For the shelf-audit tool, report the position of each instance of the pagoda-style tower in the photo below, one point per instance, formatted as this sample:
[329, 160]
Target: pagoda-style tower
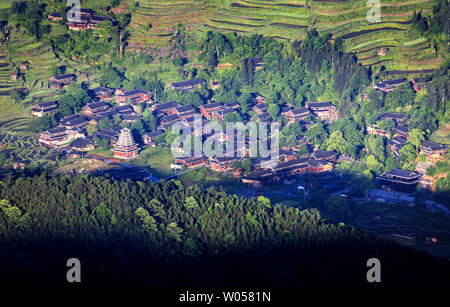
[125, 148]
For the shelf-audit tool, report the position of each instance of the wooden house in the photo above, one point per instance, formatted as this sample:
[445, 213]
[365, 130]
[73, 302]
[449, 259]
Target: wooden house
[134, 96]
[186, 85]
[207, 110]
[42, 108]
[95, 108]
[60, 81]
[222, 164]
[296, 115]
[323, 110]
[151, 137]
[101, 93]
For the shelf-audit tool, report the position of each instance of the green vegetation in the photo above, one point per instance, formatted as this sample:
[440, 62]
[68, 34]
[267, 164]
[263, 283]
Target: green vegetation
[131, 230]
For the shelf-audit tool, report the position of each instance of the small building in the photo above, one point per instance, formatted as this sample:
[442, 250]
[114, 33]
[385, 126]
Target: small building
[101, 93]
[186, 85]
[382, 51]
[374, 130]
[207, 110]
[185, 111]
[296, 115]
[125, 147]
[42, 108]
[402, 130]
[232, 105]
[14, 75]
[396, 143]
[167, 108]
[60, 81]
[222, 164]
[323, 110]
[324, 155]
[190, 162]
[389, 86]
[125, 109]
[130, 118]
[319, 166]
[259, 109]
[54, 17]
[95, 108]
[82, 144]
[55, 136]
[397, 117]
[152, 136]
[24, 65]
[215, 85]
[257, 62]
[257, 98]
[400, 178]
[134, 96]
[74, 122]
[419, 83]
[433, 149]
[168, 120]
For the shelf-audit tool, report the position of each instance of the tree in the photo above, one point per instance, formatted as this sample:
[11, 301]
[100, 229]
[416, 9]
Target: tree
[416, 137]
[317, 132]
[247, 165]
[190, 203]
[336, 142]
[110, 77]
[373, 164]
[245, 101]
[15, 96]
[273, 110]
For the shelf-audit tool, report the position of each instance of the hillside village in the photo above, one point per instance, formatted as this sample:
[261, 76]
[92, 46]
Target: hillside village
[122, 106]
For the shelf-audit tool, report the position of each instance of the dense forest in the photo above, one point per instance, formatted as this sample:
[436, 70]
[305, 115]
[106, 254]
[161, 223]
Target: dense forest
[159, 234]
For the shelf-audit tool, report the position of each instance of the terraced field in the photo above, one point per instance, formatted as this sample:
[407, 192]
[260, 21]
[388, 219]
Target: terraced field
[16, 142]
[6, 84]
[290, 19]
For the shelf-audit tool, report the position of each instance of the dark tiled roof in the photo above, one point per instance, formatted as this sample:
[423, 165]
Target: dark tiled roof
[320, 104]
[81, 143]
[97, 105]
[233, 104]
[56, 130]
[124, 109]
[46, 104]
[135, 92]
[299, 111]
[433, 145]
[189, 83]
[186, 108]
[166, 106]
[393, 115]
[323, 154]
[395, 82]
[211, 105]
[155, 133]
[403, 173]
[402, 128]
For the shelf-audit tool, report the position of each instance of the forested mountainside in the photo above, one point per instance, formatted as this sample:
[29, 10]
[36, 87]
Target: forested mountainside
[148, 234]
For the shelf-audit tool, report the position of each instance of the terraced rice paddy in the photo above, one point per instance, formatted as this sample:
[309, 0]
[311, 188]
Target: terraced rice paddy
[19, 145]
[290, 19]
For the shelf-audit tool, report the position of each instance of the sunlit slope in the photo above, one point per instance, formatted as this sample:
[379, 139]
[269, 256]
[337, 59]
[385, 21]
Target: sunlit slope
[290, 19]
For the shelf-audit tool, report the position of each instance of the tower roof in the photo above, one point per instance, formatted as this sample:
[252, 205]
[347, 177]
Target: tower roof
[125, 139]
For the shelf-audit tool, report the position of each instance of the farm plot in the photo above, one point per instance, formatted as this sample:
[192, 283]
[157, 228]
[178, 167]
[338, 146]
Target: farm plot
[24, 148]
